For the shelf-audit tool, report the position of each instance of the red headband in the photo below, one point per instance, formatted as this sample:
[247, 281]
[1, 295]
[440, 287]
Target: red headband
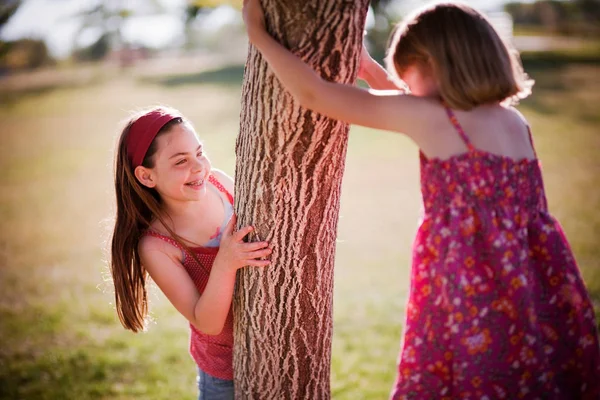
[142, 133]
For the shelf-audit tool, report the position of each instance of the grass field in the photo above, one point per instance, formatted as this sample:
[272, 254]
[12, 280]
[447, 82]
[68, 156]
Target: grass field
[60, 336]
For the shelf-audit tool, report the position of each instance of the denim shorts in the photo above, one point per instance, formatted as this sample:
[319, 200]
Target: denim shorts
[211, 388]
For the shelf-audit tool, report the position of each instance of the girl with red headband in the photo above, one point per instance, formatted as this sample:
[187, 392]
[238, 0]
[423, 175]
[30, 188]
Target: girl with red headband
[175, 224]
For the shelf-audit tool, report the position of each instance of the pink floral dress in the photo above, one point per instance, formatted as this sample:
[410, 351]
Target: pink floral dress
[497, 307]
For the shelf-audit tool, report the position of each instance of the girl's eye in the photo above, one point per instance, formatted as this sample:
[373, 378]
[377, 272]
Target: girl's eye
[180, 162]
[200, 154]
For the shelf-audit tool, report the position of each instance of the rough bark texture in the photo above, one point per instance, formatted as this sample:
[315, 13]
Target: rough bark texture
[288, 178]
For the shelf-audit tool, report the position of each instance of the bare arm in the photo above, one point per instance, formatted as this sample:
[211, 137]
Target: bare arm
[375, 75]
[208, 311]
[388, 110]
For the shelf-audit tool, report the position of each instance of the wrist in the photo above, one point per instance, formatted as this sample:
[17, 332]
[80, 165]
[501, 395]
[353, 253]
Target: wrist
[223, 267]
[255, 31]
[225, 272]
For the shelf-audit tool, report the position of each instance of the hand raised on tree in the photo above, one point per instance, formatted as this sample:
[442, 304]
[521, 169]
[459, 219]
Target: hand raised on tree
[234, 253]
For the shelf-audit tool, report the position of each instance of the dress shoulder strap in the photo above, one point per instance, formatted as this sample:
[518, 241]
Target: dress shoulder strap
[212, 179]
[153, 233]
[171, 241]
[458, 127]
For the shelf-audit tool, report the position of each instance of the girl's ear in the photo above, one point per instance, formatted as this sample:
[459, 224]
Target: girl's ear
[145, 176]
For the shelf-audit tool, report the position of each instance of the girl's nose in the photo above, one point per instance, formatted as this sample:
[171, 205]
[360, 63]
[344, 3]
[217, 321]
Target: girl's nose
[198, 166]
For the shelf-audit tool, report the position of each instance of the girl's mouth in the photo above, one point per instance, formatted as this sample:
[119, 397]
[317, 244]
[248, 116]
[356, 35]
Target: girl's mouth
[195, 184]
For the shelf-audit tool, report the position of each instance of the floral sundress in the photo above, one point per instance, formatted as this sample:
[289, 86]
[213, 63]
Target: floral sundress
[497, 308]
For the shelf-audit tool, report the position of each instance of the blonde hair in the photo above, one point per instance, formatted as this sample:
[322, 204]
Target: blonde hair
[469, 61]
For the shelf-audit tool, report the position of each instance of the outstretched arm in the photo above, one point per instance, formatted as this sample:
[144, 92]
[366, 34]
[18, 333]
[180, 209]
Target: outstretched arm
[388, 110]
[375, 75]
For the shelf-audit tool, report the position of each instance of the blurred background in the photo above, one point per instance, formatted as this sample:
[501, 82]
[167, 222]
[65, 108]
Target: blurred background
[72, 70]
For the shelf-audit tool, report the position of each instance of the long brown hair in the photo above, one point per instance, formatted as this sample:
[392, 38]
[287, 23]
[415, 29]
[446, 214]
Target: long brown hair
[137, 207]
[471, 64]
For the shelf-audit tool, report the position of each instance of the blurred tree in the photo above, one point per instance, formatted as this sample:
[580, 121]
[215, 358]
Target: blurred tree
[289, 166]
[24, 54]
[565, 17]
[551, 14]
[192, 10]
[590, 9]
[195, 8]
[7, 10]
[106, 20]
[94, 52]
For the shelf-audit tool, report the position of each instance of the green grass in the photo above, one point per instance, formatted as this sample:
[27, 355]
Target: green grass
[60, 335]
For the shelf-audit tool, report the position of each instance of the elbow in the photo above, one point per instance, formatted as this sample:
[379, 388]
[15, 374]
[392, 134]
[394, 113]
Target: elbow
[206, 329]
[213, 332]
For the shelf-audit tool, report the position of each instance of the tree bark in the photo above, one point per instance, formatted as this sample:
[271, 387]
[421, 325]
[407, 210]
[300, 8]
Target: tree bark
[288, 179]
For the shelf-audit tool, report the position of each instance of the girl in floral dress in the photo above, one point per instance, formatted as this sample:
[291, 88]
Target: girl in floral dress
[497, 307]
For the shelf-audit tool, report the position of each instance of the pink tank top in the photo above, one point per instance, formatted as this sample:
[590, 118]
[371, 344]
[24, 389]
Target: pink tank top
[213, 354]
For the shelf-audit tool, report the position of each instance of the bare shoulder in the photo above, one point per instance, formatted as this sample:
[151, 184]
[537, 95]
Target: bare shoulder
[150, 246]
[423, 115]
[428, 122]
[225, 179]
[517, 115]
[517, 124]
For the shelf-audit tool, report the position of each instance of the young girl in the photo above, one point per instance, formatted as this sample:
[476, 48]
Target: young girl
[175, 223]
[497, 307]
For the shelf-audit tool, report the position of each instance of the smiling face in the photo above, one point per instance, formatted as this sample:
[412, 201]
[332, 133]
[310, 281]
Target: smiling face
[180, 167]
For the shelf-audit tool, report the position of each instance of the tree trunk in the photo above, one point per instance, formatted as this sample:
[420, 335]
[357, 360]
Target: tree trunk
[288, 179]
